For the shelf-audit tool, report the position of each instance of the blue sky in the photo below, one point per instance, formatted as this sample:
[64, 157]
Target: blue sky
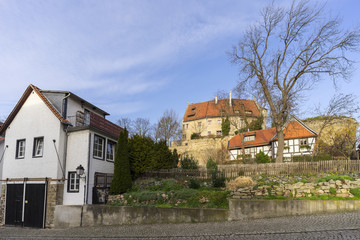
[135, 58]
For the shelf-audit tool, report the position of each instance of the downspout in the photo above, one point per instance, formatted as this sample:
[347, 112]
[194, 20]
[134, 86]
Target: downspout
[88, 171]
[64, 113]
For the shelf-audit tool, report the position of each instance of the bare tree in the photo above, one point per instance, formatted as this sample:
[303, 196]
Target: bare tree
[168, 127]
[127, 123]
[287, 52]
[141, 127]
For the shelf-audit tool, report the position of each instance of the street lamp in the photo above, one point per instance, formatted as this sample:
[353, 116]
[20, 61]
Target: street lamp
[80, 170]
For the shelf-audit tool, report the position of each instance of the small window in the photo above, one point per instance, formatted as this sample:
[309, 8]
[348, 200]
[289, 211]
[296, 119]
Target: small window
[219, 121]
[209, 122]
[187, 126]
[248, 112]
[209, 132]
[218, 133]
[237, 111]
[303, 142]
[20, 148]
[98, 151]
[110, 150]
[38, 147]
[199, 124]
[184, 136]
[73, 182]
[193, 109]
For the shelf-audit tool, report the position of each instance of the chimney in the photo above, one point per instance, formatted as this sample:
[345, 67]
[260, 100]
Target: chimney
[230, 98]
[216, 100]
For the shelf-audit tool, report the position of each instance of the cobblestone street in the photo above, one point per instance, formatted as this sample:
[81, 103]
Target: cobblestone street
[329, 226]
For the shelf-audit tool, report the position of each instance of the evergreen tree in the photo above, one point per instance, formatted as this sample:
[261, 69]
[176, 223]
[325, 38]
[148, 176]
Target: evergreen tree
[225, 126]
[122, 177]
[142, 153]
[163, 157]
[175, 158]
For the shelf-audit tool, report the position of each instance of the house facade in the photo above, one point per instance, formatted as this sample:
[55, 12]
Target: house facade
[48, 136]
[205, 118]
[299, 139]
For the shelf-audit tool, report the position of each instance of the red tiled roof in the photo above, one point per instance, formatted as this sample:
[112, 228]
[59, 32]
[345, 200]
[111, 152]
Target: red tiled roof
[262, 137]
[210, 109]
[2, 138]
[21, 102]
[293, 129]
[104, 125]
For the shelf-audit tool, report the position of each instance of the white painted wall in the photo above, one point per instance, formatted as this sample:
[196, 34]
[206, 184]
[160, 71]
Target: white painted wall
[77, 153]
[97, 165]
[80, 151]
[2, 146]
[34, 119]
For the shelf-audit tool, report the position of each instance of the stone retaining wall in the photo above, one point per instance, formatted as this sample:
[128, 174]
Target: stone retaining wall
[300, 189]
[204, 148]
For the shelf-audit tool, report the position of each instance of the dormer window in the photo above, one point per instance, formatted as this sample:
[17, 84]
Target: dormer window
[193, 109]
[248, 112]
[249, 138]
[237, 111]
[191, 115]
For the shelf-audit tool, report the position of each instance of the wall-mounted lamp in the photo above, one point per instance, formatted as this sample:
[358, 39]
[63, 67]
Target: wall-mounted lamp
[80, 170]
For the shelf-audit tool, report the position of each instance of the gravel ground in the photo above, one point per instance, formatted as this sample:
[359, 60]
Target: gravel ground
[329, 226]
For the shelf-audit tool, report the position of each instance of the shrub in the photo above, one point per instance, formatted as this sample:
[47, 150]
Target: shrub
[239, 182]
[332, 190]
[195, 136]
[185, 193]
[335, 178]
[355, 192]
[194, 183]
[261, 157]
[188, 162]
[218, 179]
[211, 166]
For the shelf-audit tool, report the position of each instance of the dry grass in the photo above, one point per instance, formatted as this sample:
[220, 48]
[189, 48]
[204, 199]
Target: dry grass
[239, 183]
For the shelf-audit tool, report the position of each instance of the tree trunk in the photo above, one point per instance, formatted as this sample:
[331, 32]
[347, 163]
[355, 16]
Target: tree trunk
[280, 149]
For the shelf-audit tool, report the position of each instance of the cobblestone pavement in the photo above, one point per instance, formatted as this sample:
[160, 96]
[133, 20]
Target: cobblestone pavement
[329, 226]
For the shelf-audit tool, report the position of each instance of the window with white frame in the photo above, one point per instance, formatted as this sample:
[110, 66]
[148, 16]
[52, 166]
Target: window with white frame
[249, 138]
[98, 150]
[20, 148]
[209, 122]
[38, 148]
[73, 182]
[110, 150]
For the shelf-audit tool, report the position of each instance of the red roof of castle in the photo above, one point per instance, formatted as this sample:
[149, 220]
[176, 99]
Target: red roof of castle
[211, 109]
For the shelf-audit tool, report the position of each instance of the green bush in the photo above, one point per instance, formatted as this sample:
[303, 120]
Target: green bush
[188, 162]
[355, 192]
[218, 179]
[185, 193]
[261, 157]
[211, 165]
[332, 190]
[195, 136]
[194, 183]
[335, 178]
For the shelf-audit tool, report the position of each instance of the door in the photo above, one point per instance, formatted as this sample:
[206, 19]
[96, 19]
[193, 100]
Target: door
[34, 205]
[14, 204]
[25, 205]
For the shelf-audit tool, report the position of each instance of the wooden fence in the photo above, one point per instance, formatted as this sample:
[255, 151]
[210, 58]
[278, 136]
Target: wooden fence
[269, 169]
[291, 168]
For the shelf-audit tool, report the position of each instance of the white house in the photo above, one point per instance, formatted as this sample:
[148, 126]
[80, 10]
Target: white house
[50, 135]
[299, 139]
[2, 140]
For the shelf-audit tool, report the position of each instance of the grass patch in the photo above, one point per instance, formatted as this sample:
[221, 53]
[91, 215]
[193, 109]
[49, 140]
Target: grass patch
[335, 178]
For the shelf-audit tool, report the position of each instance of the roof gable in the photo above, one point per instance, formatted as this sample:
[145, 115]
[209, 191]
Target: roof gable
[221, 108]
[21, 102]
[295, 128]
